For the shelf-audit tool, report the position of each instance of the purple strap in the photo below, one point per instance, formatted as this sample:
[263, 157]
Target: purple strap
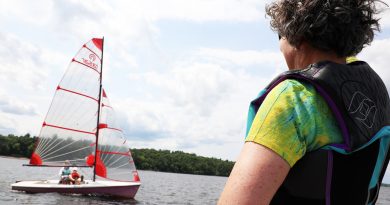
[329, 173]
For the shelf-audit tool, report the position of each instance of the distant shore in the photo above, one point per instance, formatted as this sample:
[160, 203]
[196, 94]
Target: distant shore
[385, 185]
[12, 157]
[22, 147]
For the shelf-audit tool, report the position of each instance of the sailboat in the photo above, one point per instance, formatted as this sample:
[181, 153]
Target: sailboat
[80, 128]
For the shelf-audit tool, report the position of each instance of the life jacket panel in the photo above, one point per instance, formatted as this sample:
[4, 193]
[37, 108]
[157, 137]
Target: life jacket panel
[360, 103]
[66, 172]
[328, 177]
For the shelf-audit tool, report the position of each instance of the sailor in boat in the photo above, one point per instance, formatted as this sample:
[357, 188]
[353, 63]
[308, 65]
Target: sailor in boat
[65, 172]
[75, 177]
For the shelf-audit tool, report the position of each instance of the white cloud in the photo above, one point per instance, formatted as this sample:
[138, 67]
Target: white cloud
[37, 13]
[204, 10]
[203, 101]
[243, 58]
[21, 62]
[385, 15]
[26, 72]
[19, 124]
[7, 125]
[12, 106]
[131, 22]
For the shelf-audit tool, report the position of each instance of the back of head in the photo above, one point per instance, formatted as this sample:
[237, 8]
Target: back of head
[340, 26]
[66, 162]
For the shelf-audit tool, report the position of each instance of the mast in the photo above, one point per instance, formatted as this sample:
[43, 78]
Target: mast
[98, 113]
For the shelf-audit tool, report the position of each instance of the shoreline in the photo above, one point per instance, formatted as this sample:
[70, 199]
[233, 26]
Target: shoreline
[12, 157]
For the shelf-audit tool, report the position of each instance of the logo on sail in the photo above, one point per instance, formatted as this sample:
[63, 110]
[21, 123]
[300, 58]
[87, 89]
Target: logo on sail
[92, 57]
[90, 62]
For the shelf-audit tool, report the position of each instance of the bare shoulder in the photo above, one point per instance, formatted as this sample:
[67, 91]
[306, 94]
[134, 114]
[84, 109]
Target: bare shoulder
[256, 176]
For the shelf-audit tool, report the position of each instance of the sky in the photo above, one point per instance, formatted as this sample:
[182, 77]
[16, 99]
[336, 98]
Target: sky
[179, 73]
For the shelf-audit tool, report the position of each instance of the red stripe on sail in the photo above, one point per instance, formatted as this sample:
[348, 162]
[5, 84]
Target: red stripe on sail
[98, 43]
[70, 129]
[59, 88]
[119, 153]
[102, 126]
[105, 126]
[74, 60]
[111, 128]
[104, 105]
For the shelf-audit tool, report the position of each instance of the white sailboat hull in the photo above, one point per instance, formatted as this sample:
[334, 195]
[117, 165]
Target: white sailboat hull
[109, 188]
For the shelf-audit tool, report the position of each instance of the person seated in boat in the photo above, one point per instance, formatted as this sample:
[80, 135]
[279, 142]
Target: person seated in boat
[65, 173]
[75, 177]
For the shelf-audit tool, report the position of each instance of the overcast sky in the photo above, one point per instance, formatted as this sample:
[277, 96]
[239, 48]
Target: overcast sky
[179, 73]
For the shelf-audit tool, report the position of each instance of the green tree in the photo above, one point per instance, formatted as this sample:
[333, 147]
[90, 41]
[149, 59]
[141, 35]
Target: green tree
[180, 162]
[145, 159]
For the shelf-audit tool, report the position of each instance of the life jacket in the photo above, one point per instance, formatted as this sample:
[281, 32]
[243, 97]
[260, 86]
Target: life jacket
[348, 173]
[65, 172]
[75, 175]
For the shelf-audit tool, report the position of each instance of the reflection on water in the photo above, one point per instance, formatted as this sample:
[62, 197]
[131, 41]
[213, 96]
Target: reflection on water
[156, 188]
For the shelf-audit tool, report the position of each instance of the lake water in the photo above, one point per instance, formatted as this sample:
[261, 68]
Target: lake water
[157, 188]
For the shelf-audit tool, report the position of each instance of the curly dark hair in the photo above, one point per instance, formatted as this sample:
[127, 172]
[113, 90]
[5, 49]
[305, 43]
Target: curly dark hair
[340, 26]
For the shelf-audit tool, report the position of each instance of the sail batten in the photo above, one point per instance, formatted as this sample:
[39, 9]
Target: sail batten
[111, 128]
[70, 129]
[119, 153]
[77, 93]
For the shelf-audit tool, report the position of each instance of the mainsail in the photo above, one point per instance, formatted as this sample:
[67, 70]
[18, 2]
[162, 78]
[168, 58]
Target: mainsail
[71, 131]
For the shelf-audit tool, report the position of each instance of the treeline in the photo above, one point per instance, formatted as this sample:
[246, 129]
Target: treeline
[180, 162]
[16, 146]
[145, 159]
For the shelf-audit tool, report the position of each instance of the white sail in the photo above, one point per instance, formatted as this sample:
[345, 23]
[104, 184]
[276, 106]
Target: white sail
[71, 130]
[115, 156]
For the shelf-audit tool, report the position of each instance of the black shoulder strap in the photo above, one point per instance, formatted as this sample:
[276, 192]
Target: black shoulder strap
[355, 93]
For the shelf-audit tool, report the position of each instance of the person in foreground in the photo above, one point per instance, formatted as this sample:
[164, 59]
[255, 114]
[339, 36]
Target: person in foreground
[320, 132]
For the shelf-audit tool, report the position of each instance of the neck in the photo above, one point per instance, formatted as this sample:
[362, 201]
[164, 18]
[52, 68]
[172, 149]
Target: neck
[310, 55]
